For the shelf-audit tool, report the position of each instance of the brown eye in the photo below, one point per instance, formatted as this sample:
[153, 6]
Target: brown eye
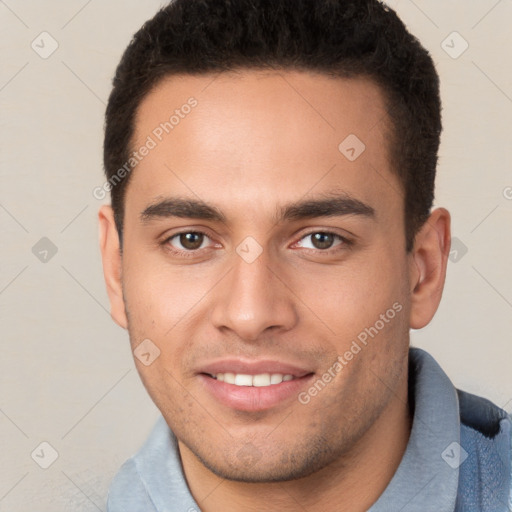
[189, 241]
[321, 240]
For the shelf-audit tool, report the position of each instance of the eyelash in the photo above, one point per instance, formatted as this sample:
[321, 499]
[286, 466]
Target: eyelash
[345, 243]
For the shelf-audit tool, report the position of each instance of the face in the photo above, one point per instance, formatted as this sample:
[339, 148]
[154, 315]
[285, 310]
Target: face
[266, 265]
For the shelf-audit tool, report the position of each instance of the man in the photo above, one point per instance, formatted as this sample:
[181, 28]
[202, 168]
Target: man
[269, 245]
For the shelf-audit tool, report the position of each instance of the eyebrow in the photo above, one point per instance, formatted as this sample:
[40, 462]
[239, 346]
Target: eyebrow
[183, 208]
[334, 206]
[325, 206]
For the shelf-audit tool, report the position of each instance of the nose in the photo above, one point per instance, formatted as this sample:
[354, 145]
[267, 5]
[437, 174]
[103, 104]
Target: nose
[253, 298]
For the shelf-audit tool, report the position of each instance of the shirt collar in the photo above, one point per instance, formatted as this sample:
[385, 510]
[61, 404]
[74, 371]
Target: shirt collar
[429, 470]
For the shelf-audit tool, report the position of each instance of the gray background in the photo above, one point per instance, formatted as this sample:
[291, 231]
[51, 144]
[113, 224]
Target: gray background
[66, 372]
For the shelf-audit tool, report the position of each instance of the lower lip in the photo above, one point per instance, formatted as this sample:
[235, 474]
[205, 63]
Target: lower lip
[252, 398]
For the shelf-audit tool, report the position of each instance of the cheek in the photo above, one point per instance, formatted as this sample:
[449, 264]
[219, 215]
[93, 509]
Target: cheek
[158, 295]
[350, 297]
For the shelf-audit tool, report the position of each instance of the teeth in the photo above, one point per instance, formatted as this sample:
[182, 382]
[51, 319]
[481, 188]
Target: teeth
[275, 378]
[229, 378]
[260, 380]
[243, 380]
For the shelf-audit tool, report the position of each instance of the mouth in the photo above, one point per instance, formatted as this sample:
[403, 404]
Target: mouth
[260, 380]
[254, 385]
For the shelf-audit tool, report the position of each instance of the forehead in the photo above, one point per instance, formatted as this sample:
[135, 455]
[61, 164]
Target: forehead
[254, 137]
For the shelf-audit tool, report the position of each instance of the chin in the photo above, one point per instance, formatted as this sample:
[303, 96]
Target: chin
[249, 465]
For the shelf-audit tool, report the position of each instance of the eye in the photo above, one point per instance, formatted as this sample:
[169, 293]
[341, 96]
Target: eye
[188, 241]
[322, 240]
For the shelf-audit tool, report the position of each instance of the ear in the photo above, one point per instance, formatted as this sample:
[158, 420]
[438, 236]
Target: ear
[429, 259]
[111, 257]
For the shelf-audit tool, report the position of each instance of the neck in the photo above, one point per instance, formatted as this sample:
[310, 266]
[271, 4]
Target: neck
[353, 483]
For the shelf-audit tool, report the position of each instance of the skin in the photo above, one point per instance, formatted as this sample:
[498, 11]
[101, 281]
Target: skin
[255, 142]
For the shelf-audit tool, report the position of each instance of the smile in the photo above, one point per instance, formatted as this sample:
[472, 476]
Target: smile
[260, 380]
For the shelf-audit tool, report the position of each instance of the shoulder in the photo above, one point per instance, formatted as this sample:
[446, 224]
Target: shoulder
[481, 415]
[486, 459]
[127, 491]
[152, 480]
[130, 490]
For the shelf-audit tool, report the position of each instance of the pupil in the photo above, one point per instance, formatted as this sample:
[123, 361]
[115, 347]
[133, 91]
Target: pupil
[322, 240]
[191, 240]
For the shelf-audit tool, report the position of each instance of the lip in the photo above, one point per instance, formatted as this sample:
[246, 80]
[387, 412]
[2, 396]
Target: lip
[251, 398]
[253, 367]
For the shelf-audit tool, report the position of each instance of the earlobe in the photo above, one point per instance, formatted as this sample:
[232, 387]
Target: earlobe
[112, 264]
[428, 267]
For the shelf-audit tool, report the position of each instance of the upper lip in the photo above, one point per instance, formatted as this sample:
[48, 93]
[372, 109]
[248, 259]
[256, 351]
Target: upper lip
[253, 367]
